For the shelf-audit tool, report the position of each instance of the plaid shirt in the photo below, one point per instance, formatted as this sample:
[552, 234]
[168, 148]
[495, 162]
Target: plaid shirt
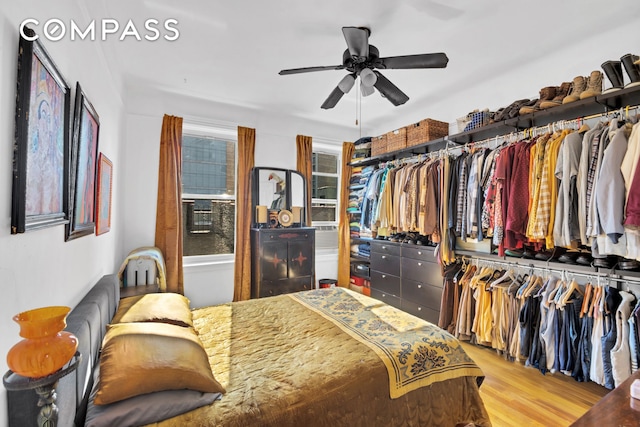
[462, 186]
[548, 191]
[597, 148]
[536, 181]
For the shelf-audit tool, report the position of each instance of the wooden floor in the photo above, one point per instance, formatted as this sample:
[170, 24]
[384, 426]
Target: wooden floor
[515, 395]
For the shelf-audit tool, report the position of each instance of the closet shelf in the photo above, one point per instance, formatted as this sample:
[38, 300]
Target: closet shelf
[360, 258]
[584, 107]
[524, 262]
[361, 240]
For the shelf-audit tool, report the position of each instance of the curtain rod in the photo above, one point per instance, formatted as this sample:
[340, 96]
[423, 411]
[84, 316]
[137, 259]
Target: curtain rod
[549, 268]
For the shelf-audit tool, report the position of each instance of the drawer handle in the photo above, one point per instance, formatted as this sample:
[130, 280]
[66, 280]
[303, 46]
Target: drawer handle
[419, 286]
[384, 257]
[384, 247]
[384, 295]
[419, 264]
[419, 252]
[384, 276]
[419, 308]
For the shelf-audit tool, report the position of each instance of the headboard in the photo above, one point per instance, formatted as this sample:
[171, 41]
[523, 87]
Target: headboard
[87, 321]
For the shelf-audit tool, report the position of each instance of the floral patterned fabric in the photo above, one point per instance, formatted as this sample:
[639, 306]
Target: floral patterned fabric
[415, 352]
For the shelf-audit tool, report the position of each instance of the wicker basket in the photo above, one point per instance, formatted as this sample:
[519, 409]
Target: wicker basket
[378, 145]
[426, 130]
[397, 139]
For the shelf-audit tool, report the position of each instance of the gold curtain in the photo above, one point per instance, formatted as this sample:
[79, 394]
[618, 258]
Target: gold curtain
[344, 234]
[169, 206]
[304, 166]
[246, 161]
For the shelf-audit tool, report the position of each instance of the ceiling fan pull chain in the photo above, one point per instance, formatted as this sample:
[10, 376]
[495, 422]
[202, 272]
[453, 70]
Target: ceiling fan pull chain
[357, 102]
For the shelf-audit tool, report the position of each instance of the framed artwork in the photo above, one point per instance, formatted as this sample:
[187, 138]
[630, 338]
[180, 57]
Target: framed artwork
[41, 145]
[103, 199]
[84, 162]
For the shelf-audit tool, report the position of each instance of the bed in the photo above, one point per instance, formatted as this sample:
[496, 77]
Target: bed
[325, 357]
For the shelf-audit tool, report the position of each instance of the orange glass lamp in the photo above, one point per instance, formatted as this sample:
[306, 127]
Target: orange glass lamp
[46, 347]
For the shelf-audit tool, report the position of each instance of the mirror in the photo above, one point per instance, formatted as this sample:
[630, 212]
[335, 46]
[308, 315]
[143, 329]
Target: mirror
[272, 188]
[277, 189]
[297, 189]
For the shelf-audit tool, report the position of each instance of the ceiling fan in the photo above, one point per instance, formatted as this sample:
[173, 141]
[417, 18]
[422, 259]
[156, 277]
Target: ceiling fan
[362, 60]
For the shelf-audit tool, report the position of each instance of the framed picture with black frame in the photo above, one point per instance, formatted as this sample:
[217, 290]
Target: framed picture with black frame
[41, 145]
[84, 162]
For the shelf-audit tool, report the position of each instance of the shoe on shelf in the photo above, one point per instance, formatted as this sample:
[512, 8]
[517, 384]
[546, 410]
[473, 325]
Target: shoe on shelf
[510, 111]
[578, 86]
[569, 257]
[584, 259]
[546, 94]
[594, 85]
[528, 253]
[561, 93]
[410, 238]
[613, 71]
[602, 263]
[631, 65]
[544, 255]
[628, 264]
[514, 253]
[396, 237]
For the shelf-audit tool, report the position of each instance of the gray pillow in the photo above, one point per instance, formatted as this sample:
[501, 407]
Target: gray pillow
[145, 408]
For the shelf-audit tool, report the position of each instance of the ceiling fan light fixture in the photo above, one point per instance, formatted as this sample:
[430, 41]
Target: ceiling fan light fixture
[366, 90]
[347, 83]
[368, 77]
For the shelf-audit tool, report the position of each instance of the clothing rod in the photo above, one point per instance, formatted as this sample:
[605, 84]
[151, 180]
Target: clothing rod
[598, 275]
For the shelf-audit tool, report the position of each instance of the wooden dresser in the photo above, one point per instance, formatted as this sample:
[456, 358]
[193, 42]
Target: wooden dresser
[615, 409]
[282, 260]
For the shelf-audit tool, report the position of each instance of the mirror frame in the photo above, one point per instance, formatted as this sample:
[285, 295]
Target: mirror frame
[287, 173]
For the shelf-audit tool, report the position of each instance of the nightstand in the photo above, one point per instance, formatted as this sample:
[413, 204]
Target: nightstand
[45, 388]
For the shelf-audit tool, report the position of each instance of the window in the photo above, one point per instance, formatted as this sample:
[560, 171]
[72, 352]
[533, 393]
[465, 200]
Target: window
[325, 185]
[208, 190]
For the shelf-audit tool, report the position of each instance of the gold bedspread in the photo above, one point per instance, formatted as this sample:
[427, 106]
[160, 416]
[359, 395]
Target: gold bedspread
[415, 352]
[283, 364]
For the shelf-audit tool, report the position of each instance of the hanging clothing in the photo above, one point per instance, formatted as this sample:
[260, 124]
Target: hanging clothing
[566, 231]
[621, 353]
[610, 186]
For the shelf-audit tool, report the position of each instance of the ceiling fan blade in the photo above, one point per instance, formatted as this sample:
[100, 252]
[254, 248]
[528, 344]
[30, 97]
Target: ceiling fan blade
[389, 90]
[333, 99]
[358, 42]
[427, 60]
[310, 69]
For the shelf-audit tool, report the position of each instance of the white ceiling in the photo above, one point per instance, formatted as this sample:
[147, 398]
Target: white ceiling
[499, 50]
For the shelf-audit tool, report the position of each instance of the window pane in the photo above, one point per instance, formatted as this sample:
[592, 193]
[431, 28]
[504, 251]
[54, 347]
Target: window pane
[325, 187]
[320, 212]
[325, 163]
[208, 168]
[208, 226]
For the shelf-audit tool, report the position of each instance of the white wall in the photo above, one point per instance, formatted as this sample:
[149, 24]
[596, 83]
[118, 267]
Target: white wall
[39, 268]
[204, 283]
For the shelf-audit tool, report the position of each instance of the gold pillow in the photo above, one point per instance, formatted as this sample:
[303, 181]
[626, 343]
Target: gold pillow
[139, 358]
[161, 307]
